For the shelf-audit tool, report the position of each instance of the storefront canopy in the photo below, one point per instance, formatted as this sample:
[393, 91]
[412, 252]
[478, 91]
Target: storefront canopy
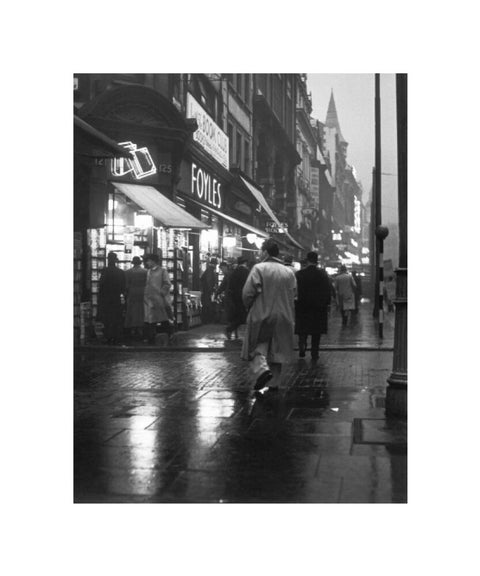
[233, 220]
[102, 139]
[264, 204]
[159, 206]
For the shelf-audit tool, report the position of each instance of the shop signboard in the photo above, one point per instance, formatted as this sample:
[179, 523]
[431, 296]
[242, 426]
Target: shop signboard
[273, 228]
[205, 187]
[315, 185]
[209, 135]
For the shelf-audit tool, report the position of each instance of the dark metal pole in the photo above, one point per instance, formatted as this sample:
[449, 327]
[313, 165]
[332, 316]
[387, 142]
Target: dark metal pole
[377, 186]
[372, 244]
[396, 401]
[381, 233]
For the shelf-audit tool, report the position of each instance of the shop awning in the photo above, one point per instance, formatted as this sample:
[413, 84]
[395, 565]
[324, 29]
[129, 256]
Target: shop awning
[101, 138]
[159, 206]
[264, 204]
[233, 220]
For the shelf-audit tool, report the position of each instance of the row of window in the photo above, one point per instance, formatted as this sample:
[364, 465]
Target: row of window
[239, 149]
[241, 83]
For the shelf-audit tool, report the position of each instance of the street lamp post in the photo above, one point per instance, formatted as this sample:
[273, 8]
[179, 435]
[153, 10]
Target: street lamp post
[381, 232]
[396, 401]
[377, 187]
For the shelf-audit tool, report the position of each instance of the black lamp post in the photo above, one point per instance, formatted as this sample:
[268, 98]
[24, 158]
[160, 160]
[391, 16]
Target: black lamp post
[396, 401]
[381, 232]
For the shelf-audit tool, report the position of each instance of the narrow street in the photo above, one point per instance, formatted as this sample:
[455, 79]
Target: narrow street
[184, 426]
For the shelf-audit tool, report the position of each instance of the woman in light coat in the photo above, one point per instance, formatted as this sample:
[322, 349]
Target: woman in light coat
[156, 298]
[268, 295]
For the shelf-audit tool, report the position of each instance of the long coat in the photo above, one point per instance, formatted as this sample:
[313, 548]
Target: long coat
[314, 291]
[136, 278]
[237, 312]
[269, 295]
[110, 309]
[156, 295]
[345, 287]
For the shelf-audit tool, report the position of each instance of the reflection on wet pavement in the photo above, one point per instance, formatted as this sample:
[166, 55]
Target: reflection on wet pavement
[184, 427]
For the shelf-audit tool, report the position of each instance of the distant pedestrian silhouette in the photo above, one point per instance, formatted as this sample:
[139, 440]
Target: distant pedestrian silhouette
[345, 288]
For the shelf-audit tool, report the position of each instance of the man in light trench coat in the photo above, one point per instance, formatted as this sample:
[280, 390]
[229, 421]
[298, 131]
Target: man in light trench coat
[156, 298]
[269, 295]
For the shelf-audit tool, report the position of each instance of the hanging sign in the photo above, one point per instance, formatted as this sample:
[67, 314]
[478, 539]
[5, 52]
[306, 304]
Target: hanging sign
[210, 136]
[139, 167]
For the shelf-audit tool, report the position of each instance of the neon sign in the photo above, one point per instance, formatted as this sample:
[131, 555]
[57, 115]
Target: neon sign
[140, 166]
[206, 187]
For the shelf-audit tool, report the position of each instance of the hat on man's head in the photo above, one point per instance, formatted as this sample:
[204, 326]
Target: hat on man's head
[112, 257]
[312, 257]
[213, 261]
[136, 261]
[288, 258]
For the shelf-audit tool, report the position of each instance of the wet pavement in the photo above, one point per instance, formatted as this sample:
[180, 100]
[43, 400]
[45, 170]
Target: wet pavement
[179, 426]
[361, 333]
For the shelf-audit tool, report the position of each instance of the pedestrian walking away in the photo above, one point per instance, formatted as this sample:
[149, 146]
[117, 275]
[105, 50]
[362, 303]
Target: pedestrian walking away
[358, 290]
[208, 281]
[222, 302]
[135, 281]
[157, 308]
[288, 260]
[345, 288]
[236, 312]
[311, 306]
[110, 307]
[269, 295]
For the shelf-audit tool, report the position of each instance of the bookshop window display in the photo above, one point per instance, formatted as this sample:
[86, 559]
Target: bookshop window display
[131, 231]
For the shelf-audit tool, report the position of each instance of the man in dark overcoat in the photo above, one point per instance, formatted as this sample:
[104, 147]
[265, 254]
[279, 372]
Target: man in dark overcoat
[311, 311]
[110, 307]
[237, 311]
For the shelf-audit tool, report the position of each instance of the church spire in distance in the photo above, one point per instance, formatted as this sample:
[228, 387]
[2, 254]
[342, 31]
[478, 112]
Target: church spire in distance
[332, 118]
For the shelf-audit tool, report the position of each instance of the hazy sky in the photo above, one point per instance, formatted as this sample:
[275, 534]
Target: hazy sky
[355, 102]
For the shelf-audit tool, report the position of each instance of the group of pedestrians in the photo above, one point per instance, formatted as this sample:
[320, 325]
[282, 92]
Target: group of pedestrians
[135, 300]
[282, 303]
[275, 302]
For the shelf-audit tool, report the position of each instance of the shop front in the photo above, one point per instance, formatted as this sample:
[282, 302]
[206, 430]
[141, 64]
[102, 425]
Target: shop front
[207, 191]
[126, 204]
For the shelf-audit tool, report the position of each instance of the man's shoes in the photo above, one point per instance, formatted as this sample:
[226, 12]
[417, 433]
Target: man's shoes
[262, 380]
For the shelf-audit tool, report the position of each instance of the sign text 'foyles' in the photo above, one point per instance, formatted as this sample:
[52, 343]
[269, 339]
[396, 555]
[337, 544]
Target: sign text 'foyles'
[205, 187]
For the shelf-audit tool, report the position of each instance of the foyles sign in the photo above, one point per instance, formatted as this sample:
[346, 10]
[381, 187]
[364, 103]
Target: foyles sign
[205, 187]
[210, 137]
